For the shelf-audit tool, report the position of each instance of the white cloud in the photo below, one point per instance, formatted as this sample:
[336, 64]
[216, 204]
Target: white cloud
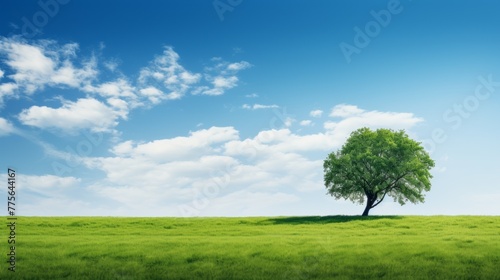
[166, 71]
[329, 125]
[189, 78]
[306, 123]
[118, 88]
[29, 62]
[316, 113]
[123, 148]
[69, 50]
[47, 182]
[334, 135]
[214, 172]
[253, 95]
[43, 187]
[288, 121]
[153, 94]
[353, 118]
[7, 89]
[68, 75]
[219, 85]
[44, 63]
[5, 127]
[175, 169]
[111, 65]
[344, 110]
[237, 66]
[225, 83]
[222, 77]
[119, 106]
[36, 64]
[283, 141]
[177, 148]
[259, 106]
[49, 195]
[85, 113]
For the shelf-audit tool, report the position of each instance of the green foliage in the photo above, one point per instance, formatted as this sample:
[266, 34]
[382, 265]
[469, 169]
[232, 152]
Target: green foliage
[373, 164]
[257, 248]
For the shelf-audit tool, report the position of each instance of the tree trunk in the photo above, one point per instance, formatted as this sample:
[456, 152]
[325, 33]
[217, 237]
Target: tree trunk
[369, 204]
[367, 209]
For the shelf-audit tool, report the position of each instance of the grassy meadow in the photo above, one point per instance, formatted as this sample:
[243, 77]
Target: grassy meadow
[334, 247]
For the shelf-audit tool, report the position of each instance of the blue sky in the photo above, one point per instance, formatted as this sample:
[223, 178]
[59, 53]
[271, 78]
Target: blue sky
[228, 108]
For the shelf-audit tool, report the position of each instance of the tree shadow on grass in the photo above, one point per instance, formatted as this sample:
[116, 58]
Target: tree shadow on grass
[325, 219]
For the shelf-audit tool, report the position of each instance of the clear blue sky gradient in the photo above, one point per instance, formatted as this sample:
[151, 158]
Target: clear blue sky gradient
[432, 68]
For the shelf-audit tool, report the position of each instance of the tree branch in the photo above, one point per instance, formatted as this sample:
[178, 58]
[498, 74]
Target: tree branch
[389, 188]
[375, 204]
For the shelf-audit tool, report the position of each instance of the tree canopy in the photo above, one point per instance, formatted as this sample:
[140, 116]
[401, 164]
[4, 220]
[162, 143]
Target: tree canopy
[374, 164]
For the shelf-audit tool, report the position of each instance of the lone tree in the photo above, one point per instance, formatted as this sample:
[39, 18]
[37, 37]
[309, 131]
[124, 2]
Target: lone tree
[374, 164]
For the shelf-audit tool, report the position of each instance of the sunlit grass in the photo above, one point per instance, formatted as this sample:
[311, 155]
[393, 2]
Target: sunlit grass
[337, 247]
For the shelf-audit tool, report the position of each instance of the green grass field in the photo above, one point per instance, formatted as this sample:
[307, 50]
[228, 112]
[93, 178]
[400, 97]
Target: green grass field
[335, 247]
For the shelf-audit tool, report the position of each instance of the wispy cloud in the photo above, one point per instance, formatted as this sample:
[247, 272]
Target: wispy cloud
[316, 113]
[5, 127]
[6, 90]
[221, 77]
[306, 123]
[237, 66]
[45, 63]
[111, 65]
[165, 71]
[259, 106]
[99, 105]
